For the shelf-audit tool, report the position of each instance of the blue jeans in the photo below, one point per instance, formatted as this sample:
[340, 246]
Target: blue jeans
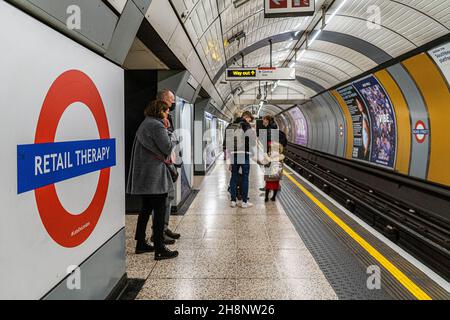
[234, 180]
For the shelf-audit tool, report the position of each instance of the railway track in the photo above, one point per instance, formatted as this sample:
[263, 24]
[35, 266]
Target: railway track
[423, 232]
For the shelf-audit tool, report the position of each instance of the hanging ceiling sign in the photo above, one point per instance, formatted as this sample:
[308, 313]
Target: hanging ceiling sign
[288, 8]
[260, 74]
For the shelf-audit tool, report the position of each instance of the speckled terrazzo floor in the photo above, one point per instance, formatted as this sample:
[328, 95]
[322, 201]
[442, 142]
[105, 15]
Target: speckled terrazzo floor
[228, 253]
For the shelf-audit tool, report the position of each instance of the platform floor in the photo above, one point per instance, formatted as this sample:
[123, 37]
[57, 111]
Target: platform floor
[228, 253]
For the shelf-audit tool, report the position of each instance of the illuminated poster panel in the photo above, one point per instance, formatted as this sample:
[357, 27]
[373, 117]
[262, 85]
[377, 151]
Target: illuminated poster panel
[300, 133]
[441, 57]
[374, 125]
[186, 145]
[383, 124]
[361, 122]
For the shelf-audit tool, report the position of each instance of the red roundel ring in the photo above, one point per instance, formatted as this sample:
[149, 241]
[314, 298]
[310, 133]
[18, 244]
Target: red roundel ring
[64, 228]
[420, 125]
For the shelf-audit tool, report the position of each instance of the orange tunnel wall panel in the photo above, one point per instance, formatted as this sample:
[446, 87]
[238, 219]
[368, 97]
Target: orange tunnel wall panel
[403, 121]
[437, 98]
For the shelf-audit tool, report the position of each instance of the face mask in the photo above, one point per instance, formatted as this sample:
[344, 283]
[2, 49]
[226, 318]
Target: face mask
[172, 107]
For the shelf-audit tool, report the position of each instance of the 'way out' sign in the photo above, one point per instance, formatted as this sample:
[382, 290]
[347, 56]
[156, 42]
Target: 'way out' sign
[260, 74]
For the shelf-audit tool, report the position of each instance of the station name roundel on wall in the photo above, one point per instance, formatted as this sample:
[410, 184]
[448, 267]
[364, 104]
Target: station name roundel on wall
[45, 162]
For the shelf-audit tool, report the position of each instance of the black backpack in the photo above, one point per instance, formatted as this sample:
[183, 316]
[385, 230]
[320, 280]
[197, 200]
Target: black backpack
[237, 135]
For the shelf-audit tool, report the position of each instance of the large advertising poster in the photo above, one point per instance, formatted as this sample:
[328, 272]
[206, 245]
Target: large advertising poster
[383, 124]
[374, 125]
[361, 123]
[62, 158]
[300, 133]
[441, 56]
[186, 145]
[211, 139]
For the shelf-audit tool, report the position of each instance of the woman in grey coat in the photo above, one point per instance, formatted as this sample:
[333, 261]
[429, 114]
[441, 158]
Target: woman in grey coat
[150, 178]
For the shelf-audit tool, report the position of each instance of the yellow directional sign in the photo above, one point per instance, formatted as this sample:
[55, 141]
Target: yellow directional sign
[241, 73]
[260, 74]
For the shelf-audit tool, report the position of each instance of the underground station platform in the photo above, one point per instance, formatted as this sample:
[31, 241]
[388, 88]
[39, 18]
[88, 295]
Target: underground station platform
[225, 158]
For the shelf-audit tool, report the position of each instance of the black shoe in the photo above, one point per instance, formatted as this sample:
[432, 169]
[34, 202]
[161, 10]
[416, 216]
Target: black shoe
[144, 247]
[262, 189]
[167, 240]
[172, 234]
[165, 254]
[273, 199]
[266, 200]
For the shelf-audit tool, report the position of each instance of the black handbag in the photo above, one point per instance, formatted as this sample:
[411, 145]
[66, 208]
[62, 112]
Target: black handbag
[173, 171]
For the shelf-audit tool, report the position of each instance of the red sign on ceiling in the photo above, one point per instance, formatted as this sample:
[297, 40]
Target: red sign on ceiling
[278, 4]
[300, 3]
[288, 8]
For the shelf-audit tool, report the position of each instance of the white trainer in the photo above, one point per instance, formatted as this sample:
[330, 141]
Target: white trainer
[246, 205]
[233, 204]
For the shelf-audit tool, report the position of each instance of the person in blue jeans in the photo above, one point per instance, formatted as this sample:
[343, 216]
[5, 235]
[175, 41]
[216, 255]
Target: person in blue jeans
[239, 140]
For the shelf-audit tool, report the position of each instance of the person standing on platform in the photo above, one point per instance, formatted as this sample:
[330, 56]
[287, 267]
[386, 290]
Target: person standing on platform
[266, 134]
[273, 170]
[168, 98]
[151, 178]
[240, 140]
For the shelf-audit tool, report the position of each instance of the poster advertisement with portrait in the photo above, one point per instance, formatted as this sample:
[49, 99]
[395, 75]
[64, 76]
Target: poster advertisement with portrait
[382, 119]
[362, 136]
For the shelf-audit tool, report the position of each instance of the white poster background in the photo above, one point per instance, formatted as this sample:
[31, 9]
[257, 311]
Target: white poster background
[32, 57]
[441, 56]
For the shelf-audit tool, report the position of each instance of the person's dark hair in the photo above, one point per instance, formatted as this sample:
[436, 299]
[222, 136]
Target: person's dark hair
[155, 109]
[247, 114]
[268, 118]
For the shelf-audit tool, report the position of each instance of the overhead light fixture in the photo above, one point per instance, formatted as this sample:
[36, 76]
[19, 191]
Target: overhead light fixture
[239, 3]
[314, 38]
[238, 36]
[336, 11]
[301, 54]
[261, 105]
[275, 86]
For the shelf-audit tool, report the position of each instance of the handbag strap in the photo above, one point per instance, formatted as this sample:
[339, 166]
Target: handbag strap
[157, 157]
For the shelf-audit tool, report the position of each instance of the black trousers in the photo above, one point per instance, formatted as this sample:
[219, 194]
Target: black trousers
[158, 205]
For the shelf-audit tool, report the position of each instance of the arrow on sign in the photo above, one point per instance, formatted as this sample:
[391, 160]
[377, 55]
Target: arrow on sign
[253, 72]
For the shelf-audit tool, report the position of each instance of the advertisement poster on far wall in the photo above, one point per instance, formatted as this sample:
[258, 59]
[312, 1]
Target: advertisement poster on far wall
[382, 118]
[374, 125]
[361, 122]
[300, 127]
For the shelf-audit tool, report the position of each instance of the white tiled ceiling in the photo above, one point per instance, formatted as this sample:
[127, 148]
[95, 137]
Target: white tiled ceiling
[405, 25]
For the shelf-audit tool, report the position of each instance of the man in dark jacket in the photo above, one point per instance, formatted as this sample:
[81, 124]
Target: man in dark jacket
[240, 140]
[168, 98]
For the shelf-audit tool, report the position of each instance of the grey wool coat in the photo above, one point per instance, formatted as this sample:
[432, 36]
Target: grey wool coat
[147, 174]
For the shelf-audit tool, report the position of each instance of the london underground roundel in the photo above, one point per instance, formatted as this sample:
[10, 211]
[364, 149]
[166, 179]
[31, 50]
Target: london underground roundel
[420, 131]
[46, 162]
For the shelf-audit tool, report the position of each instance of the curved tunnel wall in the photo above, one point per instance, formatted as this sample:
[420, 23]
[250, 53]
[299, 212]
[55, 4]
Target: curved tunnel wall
[419, 93]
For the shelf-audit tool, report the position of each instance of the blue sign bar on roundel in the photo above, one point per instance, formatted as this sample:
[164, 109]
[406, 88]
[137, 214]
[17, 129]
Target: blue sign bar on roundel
[43, 164]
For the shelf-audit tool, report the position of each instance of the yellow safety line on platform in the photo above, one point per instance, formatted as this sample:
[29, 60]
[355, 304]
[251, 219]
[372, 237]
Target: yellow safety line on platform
[400, 276]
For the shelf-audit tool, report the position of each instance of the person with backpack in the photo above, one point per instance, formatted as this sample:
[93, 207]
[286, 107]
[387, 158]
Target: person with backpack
[240, 140]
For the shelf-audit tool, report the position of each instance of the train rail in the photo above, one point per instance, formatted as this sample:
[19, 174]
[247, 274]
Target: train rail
[411, 213]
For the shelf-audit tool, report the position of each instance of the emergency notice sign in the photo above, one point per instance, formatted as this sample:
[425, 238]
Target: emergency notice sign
[288, 8]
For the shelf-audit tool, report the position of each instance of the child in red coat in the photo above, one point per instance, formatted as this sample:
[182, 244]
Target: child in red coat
[273, 170]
